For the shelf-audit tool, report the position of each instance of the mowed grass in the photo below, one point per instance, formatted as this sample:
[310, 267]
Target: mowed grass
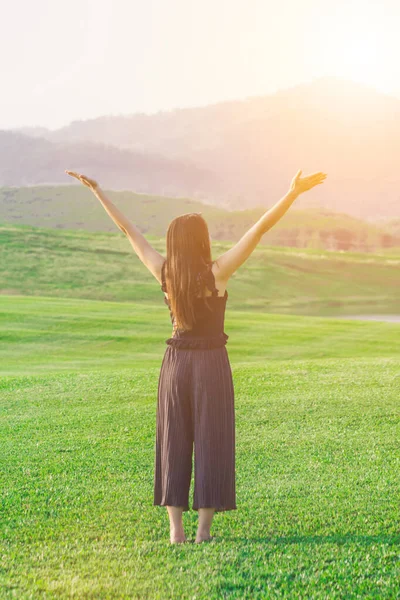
[317, 457]
[42, 335]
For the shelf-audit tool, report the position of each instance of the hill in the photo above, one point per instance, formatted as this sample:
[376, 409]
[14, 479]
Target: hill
[74, 207]
[103, 266]
[26, 160]
[254, 147]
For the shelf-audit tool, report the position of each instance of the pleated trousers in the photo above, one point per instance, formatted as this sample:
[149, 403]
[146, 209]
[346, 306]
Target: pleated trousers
[195, 411]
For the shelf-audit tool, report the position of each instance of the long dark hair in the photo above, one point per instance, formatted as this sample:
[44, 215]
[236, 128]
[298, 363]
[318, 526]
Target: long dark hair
[188, 256]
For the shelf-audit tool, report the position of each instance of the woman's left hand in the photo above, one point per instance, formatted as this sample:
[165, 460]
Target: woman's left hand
[300, 185]
[90, 183]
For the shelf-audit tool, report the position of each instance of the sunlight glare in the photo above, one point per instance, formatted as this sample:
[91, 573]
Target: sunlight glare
[352, 42]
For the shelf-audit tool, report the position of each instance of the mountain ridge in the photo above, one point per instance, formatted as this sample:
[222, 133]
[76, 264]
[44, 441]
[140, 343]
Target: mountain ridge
[244, 153]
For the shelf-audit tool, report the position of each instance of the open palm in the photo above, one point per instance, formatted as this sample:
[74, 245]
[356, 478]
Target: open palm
[90, 183]
[303, 184]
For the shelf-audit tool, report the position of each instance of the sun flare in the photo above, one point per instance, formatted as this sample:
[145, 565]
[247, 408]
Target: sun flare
[355, 42]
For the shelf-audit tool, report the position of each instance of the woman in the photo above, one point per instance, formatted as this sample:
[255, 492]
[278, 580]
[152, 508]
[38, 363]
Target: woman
[195, 405]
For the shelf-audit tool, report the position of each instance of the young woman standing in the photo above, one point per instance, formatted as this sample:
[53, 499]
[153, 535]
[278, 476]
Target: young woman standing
[195, 407]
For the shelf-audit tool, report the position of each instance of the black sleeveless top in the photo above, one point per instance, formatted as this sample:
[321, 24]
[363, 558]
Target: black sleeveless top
[208, 330]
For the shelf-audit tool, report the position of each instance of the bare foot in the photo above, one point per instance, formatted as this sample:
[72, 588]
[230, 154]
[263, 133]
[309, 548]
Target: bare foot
[203, 537]
[178, 540]
[177, 537]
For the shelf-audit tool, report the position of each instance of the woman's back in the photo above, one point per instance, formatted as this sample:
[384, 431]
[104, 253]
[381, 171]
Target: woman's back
[208, 329]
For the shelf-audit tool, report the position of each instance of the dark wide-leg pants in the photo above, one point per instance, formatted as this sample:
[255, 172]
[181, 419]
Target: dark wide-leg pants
[195, 410]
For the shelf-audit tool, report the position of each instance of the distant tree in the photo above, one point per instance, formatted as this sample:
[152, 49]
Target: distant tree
[387, 240]
[314, 241]
[330, 242]
[344, 238]
[302, 238]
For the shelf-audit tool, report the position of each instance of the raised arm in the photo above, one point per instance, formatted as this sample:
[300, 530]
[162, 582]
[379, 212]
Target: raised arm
[149, 256]
[233, 258]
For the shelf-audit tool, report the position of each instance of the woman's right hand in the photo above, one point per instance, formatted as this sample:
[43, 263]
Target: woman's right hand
[303, 184]
[90, 183]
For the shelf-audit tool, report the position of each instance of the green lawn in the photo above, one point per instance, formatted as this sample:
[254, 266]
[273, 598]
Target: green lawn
[317, 453]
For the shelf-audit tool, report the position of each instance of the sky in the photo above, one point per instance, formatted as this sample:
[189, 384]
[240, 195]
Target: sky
[66, 61]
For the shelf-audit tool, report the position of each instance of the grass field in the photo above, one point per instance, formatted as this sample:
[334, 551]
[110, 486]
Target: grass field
[317, 440]
[103, 266]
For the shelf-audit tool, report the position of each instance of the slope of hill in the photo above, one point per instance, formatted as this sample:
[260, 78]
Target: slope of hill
[255, 146]
[26, 160]
[74, 207]
[103, 266]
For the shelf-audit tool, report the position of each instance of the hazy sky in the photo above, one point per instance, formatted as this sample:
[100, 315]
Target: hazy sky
[80, 59]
